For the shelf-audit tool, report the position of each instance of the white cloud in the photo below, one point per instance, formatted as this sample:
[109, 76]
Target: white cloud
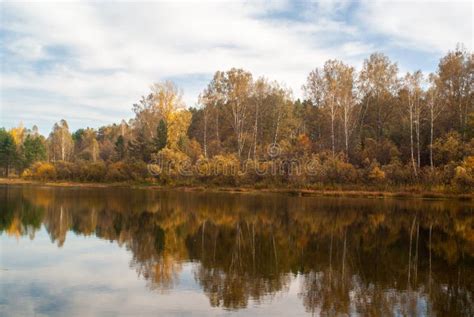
[424, 25]
[99, 58]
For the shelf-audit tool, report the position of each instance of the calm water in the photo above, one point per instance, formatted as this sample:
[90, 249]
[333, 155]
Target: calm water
[108, 252]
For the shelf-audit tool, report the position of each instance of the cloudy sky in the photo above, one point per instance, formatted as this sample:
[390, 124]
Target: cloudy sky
[89, 62]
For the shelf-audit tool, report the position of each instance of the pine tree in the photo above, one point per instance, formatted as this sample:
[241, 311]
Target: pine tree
[161, 138]
[33, 150]
[140, 148]
[8, 154]
[120, 148]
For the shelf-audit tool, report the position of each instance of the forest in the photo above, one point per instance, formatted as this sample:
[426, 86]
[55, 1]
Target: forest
[367, 128]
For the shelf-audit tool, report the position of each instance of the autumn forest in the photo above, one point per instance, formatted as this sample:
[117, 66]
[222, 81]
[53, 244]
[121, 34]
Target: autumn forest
[374, 127]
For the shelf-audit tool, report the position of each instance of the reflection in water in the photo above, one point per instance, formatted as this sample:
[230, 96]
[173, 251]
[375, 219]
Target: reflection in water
[351, 256]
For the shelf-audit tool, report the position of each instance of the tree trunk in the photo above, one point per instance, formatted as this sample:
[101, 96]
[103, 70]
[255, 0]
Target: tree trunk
[410, 107]
[255, 133]
[346, 130]
[417, 130]
[333, 113]
[205, 133]
[217, 128]
[431, 135]
[332, 134]
[63, 154]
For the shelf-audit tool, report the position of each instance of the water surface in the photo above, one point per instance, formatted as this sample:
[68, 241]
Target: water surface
[139, 252]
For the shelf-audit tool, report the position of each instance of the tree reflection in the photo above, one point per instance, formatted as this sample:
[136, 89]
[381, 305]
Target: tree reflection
[351, 256]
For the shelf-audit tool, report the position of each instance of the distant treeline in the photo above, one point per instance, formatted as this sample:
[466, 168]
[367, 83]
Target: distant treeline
[373, 126]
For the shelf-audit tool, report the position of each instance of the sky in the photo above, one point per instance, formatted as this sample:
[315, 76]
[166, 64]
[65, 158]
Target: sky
[89, 62]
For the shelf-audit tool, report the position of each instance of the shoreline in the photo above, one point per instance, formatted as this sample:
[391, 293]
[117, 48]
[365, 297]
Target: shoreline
[302, 192]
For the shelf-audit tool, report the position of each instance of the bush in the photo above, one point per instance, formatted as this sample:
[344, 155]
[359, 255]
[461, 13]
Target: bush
[448, 148]
[43, 171]
[137, 170]
[382, 151]
[326, 168]
[117, 172]
[375, 173]
[336, 170]
[170, 164]
[464, 175]
[397, 173]
[224, 169]
[254, 172]
[66, 170]
[93, 172]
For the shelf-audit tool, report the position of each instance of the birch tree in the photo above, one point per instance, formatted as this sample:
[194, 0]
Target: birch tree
[331, 89]
[435, 108]
[378, 84]
[61, 143]
[412, 83]
[346, 101]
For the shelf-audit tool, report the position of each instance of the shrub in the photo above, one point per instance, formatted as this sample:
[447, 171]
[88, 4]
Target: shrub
[464, 175]
[225, 169]
[336, 170]
[66, 170]
[170, 164]
[93, 172]
[137, 170]
[254, 171]
[117, 172]
[43, 171]
[382, 151]
[375, 173]
[397, 173]
[448, 148]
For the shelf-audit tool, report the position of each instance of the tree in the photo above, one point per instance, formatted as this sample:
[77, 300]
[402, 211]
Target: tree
[177, 127]
[435, 107]
[8, 153]
[454, 82]
[412, 84]
[61, 142]
[331, 89]
[89, 147]
[378, 84]
[120, 148]
[140, 147]
[33, 150]
[18, 134]
[161, 138]
[232, 90]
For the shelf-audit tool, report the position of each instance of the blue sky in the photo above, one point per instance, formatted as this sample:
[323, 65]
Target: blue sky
[89, 62]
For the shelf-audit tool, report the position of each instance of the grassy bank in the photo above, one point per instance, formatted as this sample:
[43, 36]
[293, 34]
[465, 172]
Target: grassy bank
[335, 191]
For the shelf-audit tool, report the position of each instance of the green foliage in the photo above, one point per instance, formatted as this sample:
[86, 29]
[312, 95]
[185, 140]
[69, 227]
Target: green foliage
[161, 138]
[8, 153]
[141, 148]
[120, 148]
[33, 150]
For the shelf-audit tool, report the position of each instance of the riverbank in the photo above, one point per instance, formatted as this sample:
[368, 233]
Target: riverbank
[348, 191]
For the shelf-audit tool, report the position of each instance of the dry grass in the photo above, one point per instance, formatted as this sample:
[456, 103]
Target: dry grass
[310, 192]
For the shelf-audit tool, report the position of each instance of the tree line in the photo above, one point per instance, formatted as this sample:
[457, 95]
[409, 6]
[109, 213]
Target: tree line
[374, 125]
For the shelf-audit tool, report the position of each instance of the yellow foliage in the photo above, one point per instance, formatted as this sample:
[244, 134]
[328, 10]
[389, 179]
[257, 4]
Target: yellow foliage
[376, 174]
[464, 174]
[18, 134]
[172, 162]
[43, 171]
[178, 123]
